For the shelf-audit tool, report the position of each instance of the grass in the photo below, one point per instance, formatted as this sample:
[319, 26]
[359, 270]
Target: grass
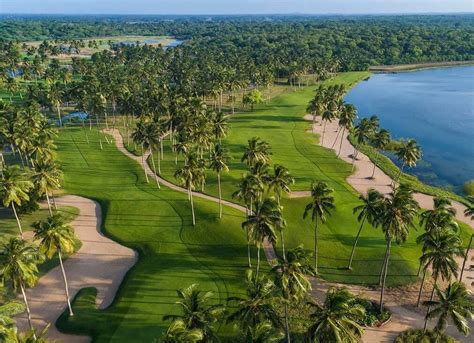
[281, 124]
[157, 224]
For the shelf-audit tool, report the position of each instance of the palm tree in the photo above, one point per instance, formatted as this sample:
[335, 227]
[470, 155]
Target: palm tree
[280, 183]
[369, 211]
[152, 138]
[362, 133]
[409, 153]
[257, 150]
[179, 333]
[18, 267]
[336, 320]
[291, 278]
[346, 121]
[219, 162]
[466, 254]
[46, 177]
[399, 211]
[262, 223]
[14, 188]
[197, 313]
[55, 95]
[456, 303]
[328, 115]
[380, 142]
[56, 236]
[191, 175]
[249, 189]
[322, 204]
[440, 249]
[258, 307]
[264, 333]
[220, 125]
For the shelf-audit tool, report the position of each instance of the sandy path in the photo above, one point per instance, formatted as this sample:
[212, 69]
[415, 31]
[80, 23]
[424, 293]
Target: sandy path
[100, 263]
[402, 317]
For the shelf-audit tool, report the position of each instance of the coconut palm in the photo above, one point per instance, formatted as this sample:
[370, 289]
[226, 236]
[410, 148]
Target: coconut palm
[46, 177]
[14, 188]
[220, 125]
[456, 303]
[18, 268]
[258, 307]
[191, 175]
[264, 333]
[219, 162]
[248, 191]
[362, 133]
[321, 205]
[56, 236]
[380, 141]
[54, 95]
[336, 319]
[197, 312]
[369, 211]
[466, 254]
[327, 116]
[263, 223]
[279, 183]
[177, 332]
[440, 249]
[152, 139]
[409, 153]
[257, 150]
[398, 214]
[346, 122]
[291, 277]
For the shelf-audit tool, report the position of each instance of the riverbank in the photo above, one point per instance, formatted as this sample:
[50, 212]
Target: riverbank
[416, 66]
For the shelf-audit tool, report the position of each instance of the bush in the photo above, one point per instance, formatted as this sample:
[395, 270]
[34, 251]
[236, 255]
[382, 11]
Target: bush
[469, 188]
[372, 315]
[418, 336]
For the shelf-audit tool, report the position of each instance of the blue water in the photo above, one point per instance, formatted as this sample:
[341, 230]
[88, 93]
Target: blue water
[433, 106]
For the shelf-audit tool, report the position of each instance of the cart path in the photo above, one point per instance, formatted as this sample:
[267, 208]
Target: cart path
[100, 263]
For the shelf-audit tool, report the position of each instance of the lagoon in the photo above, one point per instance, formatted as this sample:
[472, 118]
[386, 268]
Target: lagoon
[433, 106]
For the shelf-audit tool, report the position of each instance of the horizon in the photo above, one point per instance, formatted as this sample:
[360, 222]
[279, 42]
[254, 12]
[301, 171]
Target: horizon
[233, 8]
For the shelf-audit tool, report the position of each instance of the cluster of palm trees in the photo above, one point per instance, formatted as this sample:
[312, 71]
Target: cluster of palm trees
[32, 174]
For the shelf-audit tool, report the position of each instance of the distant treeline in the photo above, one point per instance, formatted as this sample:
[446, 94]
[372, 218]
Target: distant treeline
[283, 42]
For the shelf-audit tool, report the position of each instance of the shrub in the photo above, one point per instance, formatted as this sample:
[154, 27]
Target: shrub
[469, 188]
[418, 336]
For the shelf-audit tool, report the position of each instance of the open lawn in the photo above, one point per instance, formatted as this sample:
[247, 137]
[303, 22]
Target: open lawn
[156, 223]
[281, 124]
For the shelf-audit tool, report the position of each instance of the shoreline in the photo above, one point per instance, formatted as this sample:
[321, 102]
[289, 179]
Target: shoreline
[399, 68]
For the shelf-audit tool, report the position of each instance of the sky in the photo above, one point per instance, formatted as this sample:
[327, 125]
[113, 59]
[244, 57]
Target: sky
[233, 6]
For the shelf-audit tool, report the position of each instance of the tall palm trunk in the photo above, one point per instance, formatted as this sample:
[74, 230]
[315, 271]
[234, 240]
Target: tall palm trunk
[354, 157]
[58, 111]
[287, 324]
[465, 258]
[144, 166]
[98, 131]
[316, 245]
[28, 313]
[17, 219]
[154, 168]
[429, 307]
[342, 140]
[54, 201]
[258, 260]
[282, 236]
[220, 193]
[324, 132]
[49, 203]
[355, 242]
[382, 293]
[192, 205]
[421, 289]
[66, 287]
[335, 140]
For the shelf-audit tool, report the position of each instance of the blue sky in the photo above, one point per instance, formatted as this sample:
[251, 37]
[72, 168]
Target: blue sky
[233, 6]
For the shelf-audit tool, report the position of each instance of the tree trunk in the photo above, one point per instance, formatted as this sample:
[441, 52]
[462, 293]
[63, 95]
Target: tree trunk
[355, 243]
[287, 325]
[324, 132]
[421, 289]
[316, 245]
[373, 171]
[382, 293]
[65, 283]
[429, 307]
[282, 235]
[17, 219]
[49, 203]
[28, 313]
[335, 140]
[220, 194]
[465, 258]
[144, 166]
[192, 206]
[54, 201]
[98, 132]
[154, 168]
[248, 247]
[258, 261]
[58, 110]
[342, 140]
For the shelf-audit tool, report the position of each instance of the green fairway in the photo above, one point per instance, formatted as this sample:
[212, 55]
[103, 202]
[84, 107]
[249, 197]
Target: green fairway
[157, 223]
[281, 124]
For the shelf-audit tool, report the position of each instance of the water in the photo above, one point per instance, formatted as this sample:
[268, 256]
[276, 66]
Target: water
[433, 106]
